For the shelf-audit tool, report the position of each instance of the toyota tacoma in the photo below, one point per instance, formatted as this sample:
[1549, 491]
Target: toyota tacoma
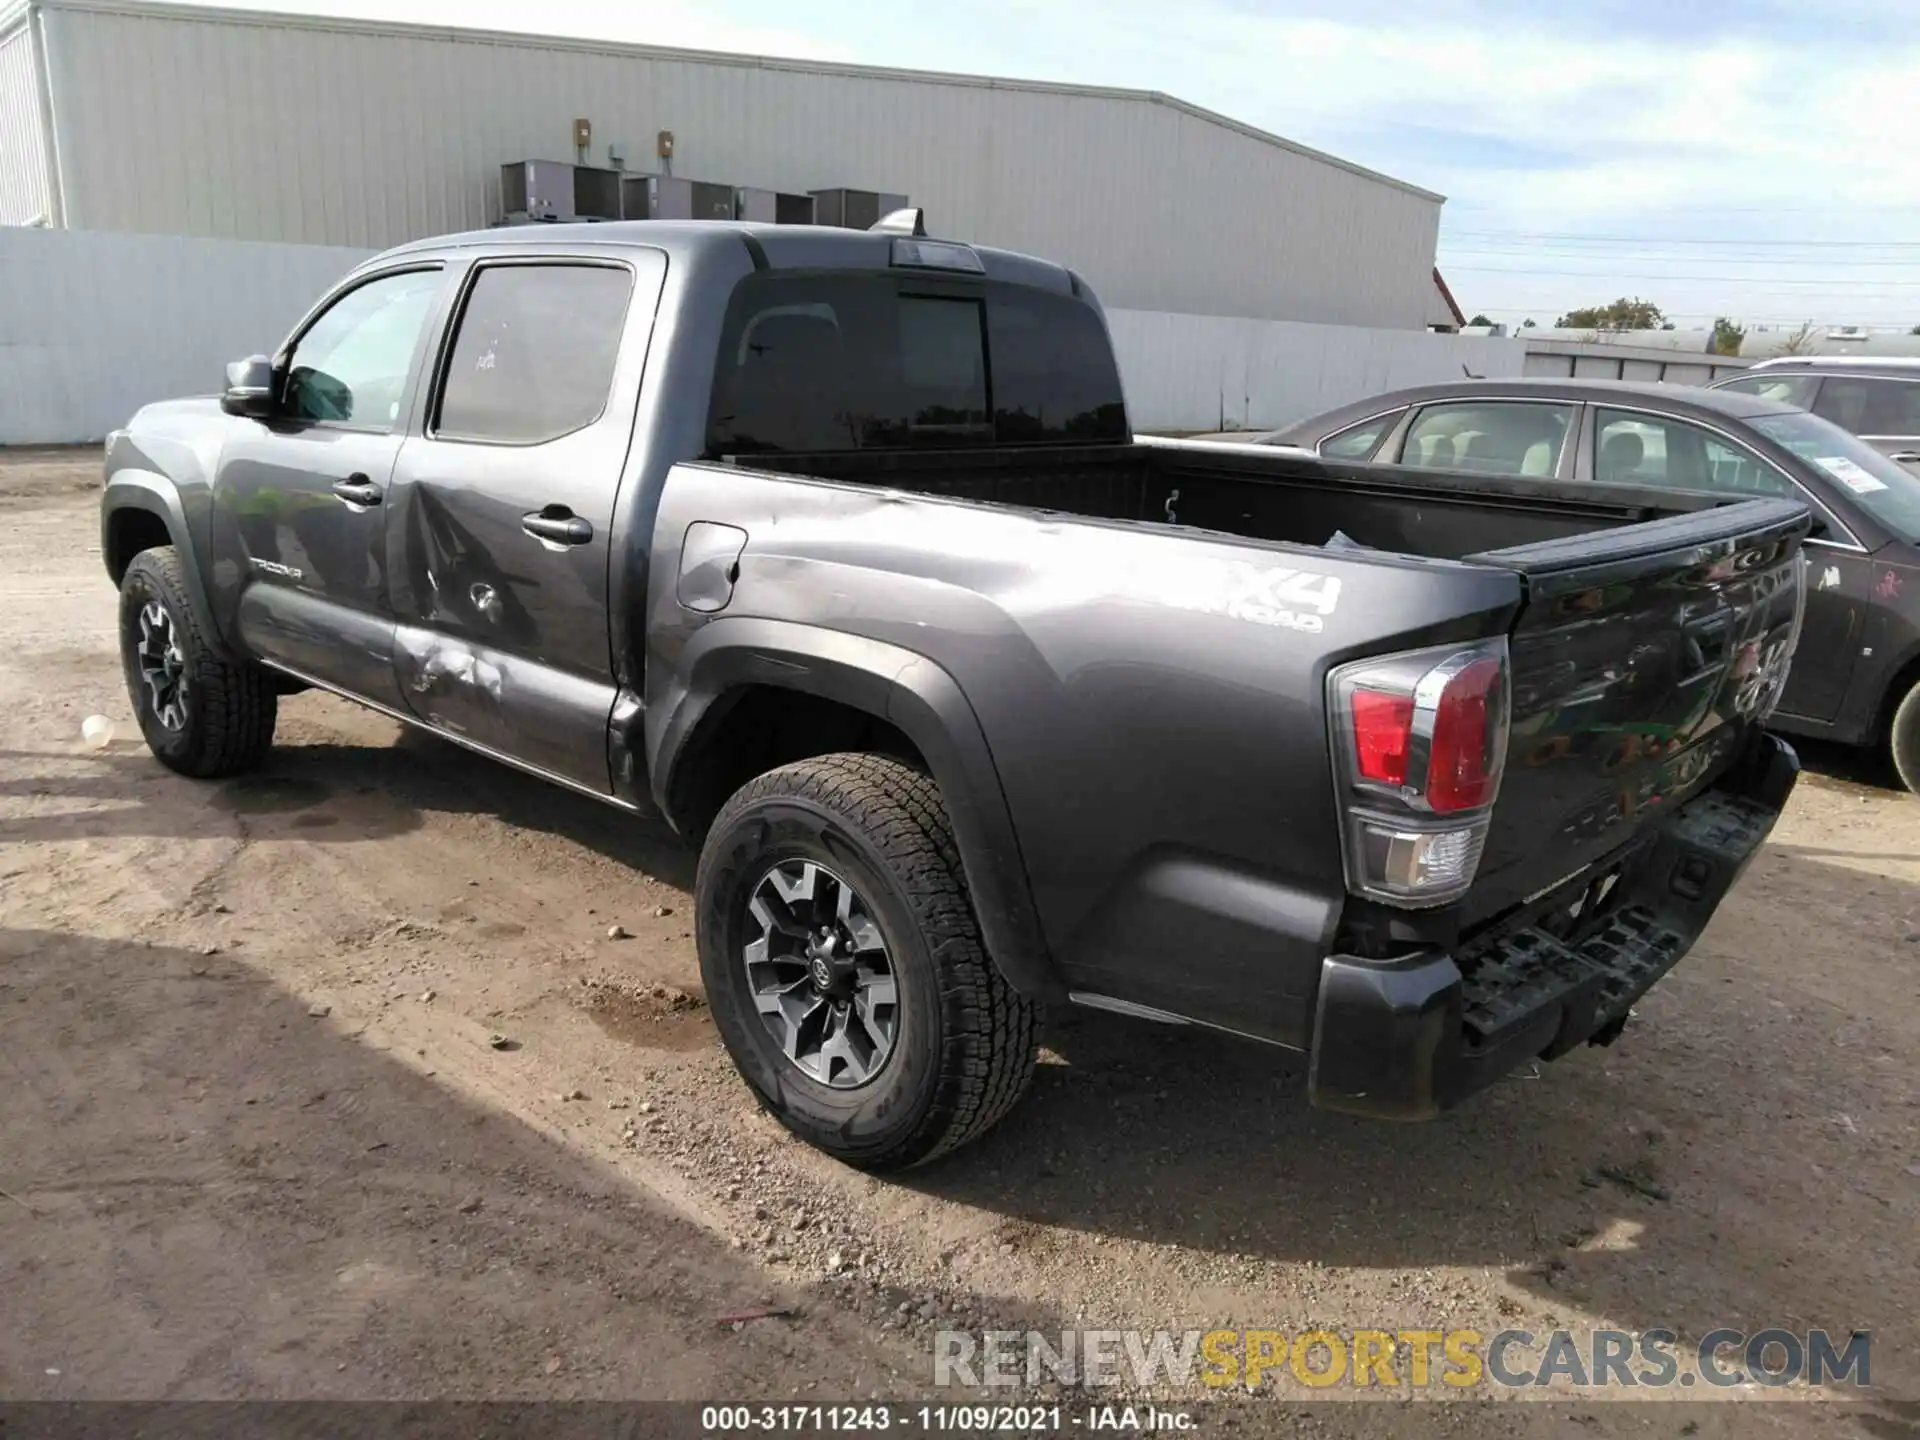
[835, 549]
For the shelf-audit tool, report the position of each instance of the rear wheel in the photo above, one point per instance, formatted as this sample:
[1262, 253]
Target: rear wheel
[845, 968]
[1904, 739]
[201, 715]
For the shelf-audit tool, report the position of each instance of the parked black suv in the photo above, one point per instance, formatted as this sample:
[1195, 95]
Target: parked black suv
[1876, 399]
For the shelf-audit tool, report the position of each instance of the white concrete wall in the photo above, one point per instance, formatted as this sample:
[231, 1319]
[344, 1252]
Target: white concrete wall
[1204, 373]
[93, 326]
[323, 130]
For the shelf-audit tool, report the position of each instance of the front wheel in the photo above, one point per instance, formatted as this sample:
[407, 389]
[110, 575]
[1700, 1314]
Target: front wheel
[845, 968]
[1904, 739]
[202, 715]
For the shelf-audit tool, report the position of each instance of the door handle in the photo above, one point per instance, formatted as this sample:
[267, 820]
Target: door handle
[557, 527]
[357, 490]
[1906, 457]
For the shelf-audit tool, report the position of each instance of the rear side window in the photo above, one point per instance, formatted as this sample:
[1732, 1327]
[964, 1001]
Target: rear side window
[1787, 389]
[858, 362]
[534, 355]
[1489, 437]
[1633, 449]
[1357, 442]
[1865, 405]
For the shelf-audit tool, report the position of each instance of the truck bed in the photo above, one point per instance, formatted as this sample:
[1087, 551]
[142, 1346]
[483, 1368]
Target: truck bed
[1645, 642]
[1258, 493]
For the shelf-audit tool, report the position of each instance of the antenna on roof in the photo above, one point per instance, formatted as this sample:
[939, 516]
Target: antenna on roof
[910, 221]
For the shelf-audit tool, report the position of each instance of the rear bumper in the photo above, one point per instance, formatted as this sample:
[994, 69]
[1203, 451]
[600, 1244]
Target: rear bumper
[1406, 1039]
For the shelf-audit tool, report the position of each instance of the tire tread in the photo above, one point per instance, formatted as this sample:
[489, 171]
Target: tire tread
[236, 702]
[1903, 739]
[991, 1028]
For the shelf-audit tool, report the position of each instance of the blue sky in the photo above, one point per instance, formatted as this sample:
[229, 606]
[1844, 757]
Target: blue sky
[1758, 158]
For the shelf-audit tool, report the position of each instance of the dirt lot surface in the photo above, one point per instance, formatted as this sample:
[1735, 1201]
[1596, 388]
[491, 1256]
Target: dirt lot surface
[257, 1135]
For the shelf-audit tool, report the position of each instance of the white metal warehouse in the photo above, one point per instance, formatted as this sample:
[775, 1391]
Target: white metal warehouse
[164, 119]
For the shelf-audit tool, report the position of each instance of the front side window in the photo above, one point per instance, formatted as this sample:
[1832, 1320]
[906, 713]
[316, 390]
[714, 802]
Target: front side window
[350, 367]
[1489, 437]
[1786, 389]
[860, 361]
[1633, 449]
[534, 355]
[1874, 483]
[1869, 405]
[1357, 442]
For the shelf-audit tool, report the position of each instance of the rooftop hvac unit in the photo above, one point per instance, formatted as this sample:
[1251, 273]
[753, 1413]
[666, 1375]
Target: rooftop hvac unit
[772, 207]
[671, 197]
[596, 193]
[537, 190]
[854, 209]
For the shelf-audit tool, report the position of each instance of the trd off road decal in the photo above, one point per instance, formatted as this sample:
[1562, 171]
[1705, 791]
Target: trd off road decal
[1261, 595]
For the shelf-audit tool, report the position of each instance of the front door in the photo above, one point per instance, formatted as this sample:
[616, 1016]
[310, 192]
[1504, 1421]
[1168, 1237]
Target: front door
[504, 510]
[304, 492]
[1839, 577]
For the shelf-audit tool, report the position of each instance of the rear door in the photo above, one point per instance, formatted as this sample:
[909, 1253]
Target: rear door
[1641, 660]
[505, 507]
[1882, 410]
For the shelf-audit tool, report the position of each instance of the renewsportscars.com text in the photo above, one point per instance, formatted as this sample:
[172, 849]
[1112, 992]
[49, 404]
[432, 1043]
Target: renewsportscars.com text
[1389, 1359]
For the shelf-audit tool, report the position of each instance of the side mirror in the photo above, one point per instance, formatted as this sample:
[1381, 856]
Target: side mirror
[249, 387]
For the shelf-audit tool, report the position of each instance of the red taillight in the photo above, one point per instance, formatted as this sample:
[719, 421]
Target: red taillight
[1382, 734]
[1463, 769]
[1421, 739]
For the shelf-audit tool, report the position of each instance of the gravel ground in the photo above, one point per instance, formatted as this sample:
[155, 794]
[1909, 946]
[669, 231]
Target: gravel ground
[329, 1081]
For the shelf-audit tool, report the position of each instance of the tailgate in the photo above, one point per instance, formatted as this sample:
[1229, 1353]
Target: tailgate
[1642, 658]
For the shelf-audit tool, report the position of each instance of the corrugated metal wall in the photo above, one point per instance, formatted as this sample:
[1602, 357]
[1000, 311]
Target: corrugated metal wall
[23, 156]
[93, 326]
[182, 121]
[1201, 372]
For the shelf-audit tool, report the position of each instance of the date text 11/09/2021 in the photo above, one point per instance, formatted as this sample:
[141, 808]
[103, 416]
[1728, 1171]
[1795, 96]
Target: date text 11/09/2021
[938, 1419]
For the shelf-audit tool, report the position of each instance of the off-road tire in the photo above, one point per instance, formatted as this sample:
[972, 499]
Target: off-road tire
[230, 706]
[966, 1042]
[1903, 739]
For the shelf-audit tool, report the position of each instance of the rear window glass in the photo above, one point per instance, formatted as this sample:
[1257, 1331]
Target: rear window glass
[534, 355]
[857, 362]
[1357, 442]
[1869, 405]
[1489, 436]
[1786, 389]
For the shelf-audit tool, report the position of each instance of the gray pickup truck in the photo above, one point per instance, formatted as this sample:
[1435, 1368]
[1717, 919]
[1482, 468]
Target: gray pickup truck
[835, 549]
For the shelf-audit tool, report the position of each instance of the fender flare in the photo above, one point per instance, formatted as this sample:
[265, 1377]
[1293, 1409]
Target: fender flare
[157, 495]
[927, 705]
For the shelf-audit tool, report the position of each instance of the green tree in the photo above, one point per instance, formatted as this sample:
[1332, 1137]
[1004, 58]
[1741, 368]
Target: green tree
[1479, 320]
[1621, 314]
[1727, 337]
[1527, 324]
[1801, 342]
[1915, 330]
